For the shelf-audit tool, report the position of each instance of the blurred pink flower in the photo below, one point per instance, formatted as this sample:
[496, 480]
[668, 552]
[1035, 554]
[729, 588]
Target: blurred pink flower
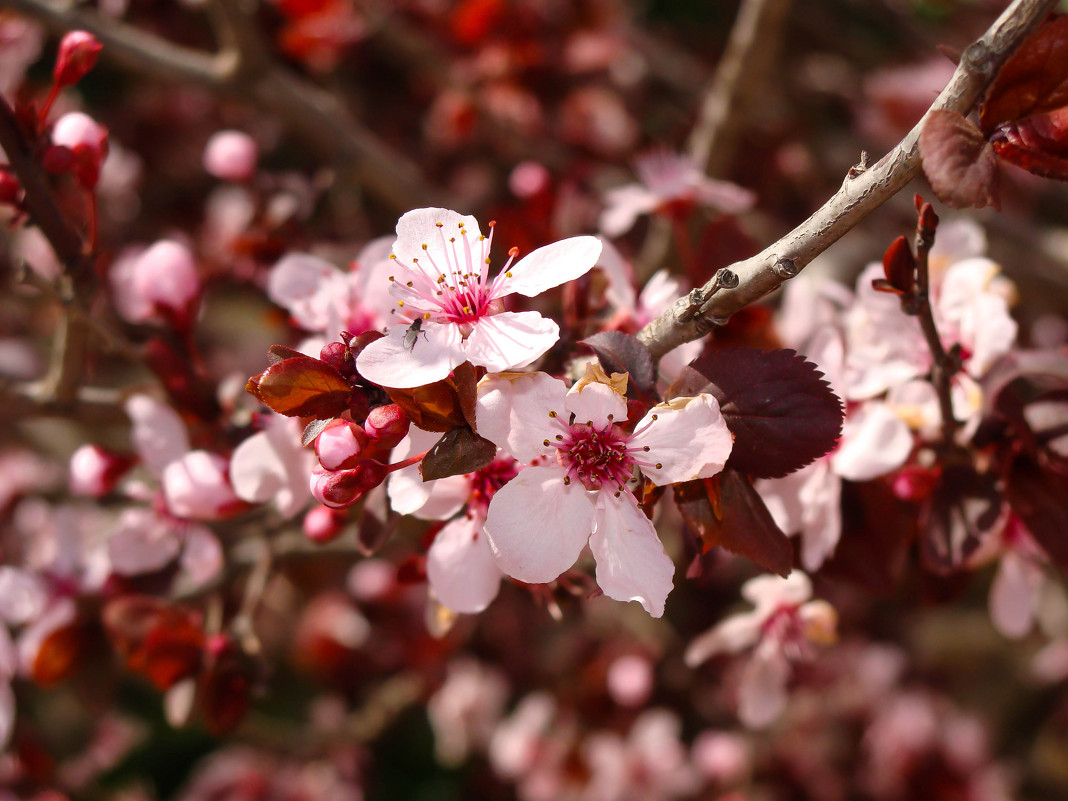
[231, 156]
[466, 709]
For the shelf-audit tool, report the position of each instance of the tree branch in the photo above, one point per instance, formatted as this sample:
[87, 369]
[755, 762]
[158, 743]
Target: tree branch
[244, 70]
[750, 51]
[698, 313]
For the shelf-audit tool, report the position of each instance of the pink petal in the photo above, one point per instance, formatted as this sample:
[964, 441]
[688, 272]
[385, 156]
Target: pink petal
[595, 403]
[23, 596]
[141, 543]
[159, 435]
[874, 442]
[1014, 595]
[272, 465]
[552, 265]
[725, 196]
[688, 439]
[768, 592]
[623, 205]
[419, 227]
[308, 287]
[392, 363]
[620, 275]
[728, 637]
[762, 693]
[512, 411]
[631, 562]
[202, 554]
[508, 340]
[196, 487]
[537, 526]
[461, 569]
[427, 500]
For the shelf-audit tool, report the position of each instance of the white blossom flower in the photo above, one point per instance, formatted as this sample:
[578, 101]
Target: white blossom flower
[540, 521]
[442, 279]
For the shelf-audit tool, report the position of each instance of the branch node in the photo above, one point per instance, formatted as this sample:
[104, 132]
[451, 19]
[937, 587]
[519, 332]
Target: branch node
[786, 268]
[695, 299]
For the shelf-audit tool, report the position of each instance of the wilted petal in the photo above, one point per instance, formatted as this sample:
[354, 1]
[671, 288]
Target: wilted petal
[1014, 595]
[631, 562]
[512, 411]
[508, 340]
[762, 693]
[393, 363]
[686, 437]
[552, 265]
[537, 526]
[874, 442]
[159, 435]
[461, 568]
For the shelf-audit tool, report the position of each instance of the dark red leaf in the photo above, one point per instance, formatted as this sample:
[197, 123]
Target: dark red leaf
[623, 353]
[963, 507]
[726, 511]
[1034, 80]
[302, 387]
[899, 265]
[1037, 496]
[1029, 389]
[781, 411]
[458, 452]
[1038, 144]
[958, 161]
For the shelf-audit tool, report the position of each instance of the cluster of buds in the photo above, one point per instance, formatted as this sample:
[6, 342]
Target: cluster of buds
[353, 459]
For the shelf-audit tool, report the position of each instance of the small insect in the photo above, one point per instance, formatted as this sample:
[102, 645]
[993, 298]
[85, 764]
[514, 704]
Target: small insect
[412, 334]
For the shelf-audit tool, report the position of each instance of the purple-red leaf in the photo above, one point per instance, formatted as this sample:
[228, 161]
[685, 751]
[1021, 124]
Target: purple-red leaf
[623, 353]
[726, 511]
[958, 161]
[279, 353]
[458, 452]
[1037, 496]
[1038, 144]
[1034, 80]
[781, 411]
[301, 386]
[443, 405]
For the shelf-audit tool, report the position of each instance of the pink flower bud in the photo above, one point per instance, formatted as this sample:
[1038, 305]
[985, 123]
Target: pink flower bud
[322, 524]
[165, 279]
[78, 52]
[340, 445]
[231, 156]
[87, 140]
[387, 425]
[338, 356]
[630, 680]
[95, 471]
[342, 488]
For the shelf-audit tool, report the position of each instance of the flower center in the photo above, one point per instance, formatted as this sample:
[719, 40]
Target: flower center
[486, 481]
[595, 456]
[450, 284]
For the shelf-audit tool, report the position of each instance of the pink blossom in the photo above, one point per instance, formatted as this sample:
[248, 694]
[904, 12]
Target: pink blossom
[461, 570]
[326, 300]
[78, 52]
[540, 521]
[668, 178]
[1016, 590]
[782, 627]
[630, 680]
[723, 757]
[95, 471]
[442, 278]
[197, 487]
[466, 709]
[272, 465]
[158, 283]
[76, 129]
[231, 156]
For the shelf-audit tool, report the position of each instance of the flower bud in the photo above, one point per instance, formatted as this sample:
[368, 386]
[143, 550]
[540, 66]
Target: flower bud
[387, 425]
[95, 471]
[231, 156]
[340, 445]
[338, 356]
[88, 142]
[78, 52]
[165, 280]
[342, 488]
[322, 524]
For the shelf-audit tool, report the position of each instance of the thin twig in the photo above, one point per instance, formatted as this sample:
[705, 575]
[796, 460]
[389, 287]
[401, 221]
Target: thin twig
[750, 52]
[859, 196]
[311, 113]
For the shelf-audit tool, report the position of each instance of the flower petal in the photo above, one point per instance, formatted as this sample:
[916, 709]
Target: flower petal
[308, 287]
[687, 437]
[768, 592]
[420, 227]
[537, 526]
[508, 340]
[460, 567]
[392, 363]
[512, 411]
[623, 205]
[874, 442]
[762, 693]
[1014, 595]
[596, 403]
[732, 635]
[159, 435]
[631, 562]
[552, 265]
[427, 500]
